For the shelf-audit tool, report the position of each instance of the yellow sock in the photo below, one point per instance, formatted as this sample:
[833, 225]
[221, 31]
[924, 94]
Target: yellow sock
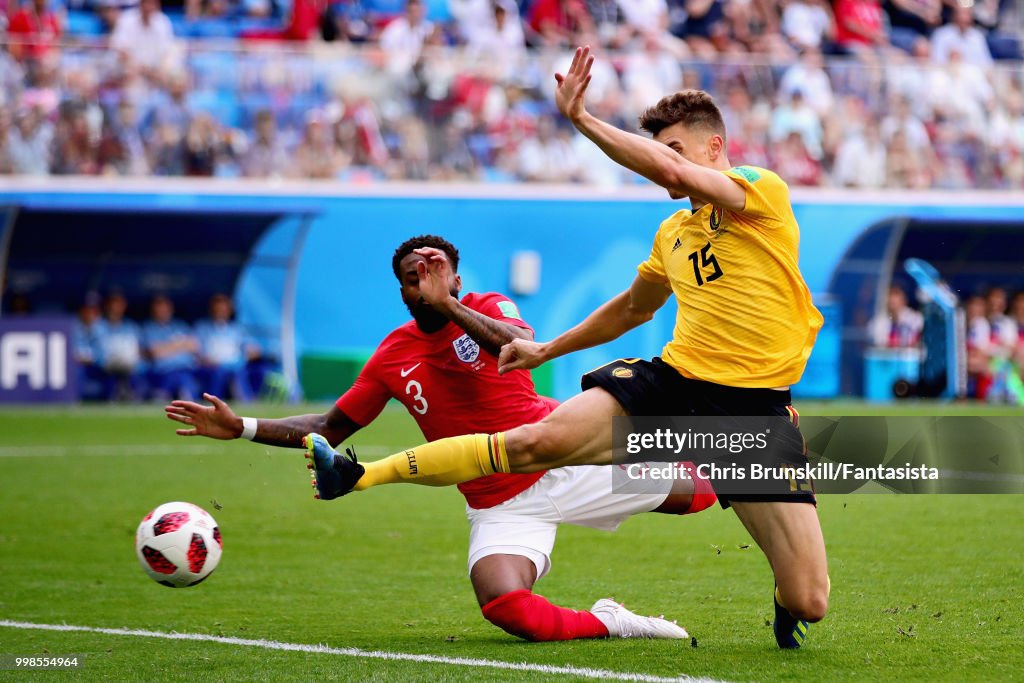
[440, 463]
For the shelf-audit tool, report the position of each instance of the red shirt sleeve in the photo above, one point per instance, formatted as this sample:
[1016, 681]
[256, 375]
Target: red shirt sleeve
[367, 396]
[497, 306]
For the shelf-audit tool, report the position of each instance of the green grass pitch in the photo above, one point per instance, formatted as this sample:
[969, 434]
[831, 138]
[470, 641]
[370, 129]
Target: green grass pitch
[924, 587]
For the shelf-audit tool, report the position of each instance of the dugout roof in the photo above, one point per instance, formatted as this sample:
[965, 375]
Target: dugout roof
[54, 256]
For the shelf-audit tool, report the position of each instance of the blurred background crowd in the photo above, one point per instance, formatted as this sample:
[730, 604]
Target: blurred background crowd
[994, 339]
[163, 357]
[847, 93]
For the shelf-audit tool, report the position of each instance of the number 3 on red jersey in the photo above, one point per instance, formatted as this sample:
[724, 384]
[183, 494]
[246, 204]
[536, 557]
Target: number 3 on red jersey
[415, 389]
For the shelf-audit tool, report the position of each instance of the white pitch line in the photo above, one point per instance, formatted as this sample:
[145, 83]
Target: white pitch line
[582, 672]
[144, 449]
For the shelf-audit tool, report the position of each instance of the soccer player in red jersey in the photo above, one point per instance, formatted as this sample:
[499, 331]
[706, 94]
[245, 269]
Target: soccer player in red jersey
[442, 366]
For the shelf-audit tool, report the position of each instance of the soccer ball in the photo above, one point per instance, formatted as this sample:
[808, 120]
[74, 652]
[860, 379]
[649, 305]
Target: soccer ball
[178, 544]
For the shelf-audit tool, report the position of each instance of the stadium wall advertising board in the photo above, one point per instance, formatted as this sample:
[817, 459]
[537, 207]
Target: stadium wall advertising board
[36, 365]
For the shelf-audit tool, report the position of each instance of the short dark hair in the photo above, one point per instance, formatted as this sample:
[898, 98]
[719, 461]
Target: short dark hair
[420, 241]
[694, 108]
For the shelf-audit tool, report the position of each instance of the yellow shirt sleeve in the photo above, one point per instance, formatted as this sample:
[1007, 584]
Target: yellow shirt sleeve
[766, 192]
[653, 269]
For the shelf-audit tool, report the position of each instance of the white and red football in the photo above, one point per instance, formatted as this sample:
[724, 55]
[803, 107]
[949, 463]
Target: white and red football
[178, 544]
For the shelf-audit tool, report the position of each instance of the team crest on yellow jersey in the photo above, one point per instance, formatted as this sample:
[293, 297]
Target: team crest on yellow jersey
[715, 221]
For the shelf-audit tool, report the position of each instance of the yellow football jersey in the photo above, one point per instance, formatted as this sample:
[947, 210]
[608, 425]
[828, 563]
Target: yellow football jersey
[745, 317]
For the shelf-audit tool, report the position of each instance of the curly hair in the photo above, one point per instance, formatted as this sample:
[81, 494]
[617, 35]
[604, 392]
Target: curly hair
[420, 241]
[695, 108]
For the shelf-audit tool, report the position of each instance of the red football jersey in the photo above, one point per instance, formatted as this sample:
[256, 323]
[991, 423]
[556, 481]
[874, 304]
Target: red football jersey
[452, 387]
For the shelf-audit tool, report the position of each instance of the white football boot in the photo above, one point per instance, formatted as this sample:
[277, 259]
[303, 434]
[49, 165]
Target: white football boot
[621, 623]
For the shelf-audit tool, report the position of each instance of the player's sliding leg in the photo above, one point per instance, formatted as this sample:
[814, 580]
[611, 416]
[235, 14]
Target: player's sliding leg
[577, 432]
[504, 589]
[790, 536]
[333, 473]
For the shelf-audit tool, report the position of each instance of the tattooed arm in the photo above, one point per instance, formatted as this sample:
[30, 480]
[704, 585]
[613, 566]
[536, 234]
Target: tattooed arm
[220, 422]
[489, 333]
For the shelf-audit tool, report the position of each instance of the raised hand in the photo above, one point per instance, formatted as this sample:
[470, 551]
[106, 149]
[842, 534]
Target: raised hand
[572, 87]
[520, 354]
[434, 275]
[217, 421]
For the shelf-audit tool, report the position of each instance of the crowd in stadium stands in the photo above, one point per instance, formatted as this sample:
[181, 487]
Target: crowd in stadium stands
[863, 93]
[163, 357]
[994, 338]
[848, 93]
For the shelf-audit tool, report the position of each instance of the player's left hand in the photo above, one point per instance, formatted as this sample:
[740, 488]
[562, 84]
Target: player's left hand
[434, 274]
[520, 354]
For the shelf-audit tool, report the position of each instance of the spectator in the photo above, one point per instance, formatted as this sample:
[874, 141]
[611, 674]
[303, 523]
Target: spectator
[76, 143]
[860, 26]
[1002, 328]
[171, 348]
[646, 18]
[167, 153]
[169, 106]
[34, 31]
[265, 157]
[609, 22]
[861, 160]
[86, 342]
[500, 32]
[122, 150]
[794, 162]
[202, 146]
[706, 29]
[1017, 314]
[144, 37]
[809, 77]
[108, 12]
[912, 19]
[562, 23]
[649, 73]
[6, 132]
[796, 116]
[403, 38]
[29, 143]
[901, 119]
[905, 166]
[548, 157]
[120, 344]
[963, 37]
[316, 156]
[979, 340]
[224, 351]
[808, 24]
[453, 158]
[899, 326]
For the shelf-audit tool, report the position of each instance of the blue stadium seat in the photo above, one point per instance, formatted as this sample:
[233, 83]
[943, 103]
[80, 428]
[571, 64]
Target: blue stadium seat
[83, 23]
[221, 104]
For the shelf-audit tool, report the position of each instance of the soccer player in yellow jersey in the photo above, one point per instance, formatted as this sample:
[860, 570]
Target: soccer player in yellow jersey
[744, 329]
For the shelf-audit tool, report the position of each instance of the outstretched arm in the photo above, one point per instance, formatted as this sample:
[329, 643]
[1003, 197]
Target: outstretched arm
[632, 308]
[656, 162]
[218, 421]
[489, 333]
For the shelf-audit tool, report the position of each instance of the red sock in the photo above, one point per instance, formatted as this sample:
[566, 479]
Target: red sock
[703, 495]
[532, 617]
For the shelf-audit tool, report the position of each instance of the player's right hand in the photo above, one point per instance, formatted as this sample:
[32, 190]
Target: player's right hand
[217, 421]
[520, 354]
[572, 87]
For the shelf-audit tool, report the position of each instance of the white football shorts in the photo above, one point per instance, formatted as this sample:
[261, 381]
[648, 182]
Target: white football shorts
[527, 524]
